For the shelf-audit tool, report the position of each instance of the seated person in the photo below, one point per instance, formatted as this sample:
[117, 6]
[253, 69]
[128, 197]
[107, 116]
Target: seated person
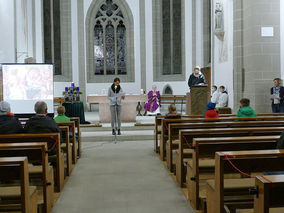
[153, 105]
[40, 123]
[245, 110]
[223, 98]
[61, 117]
[215, 94]
[172, 114]
[8, 123]
[211, 111]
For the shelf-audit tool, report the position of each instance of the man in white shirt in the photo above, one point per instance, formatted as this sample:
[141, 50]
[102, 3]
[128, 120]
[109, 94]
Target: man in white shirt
[215, 94]
[223, 98]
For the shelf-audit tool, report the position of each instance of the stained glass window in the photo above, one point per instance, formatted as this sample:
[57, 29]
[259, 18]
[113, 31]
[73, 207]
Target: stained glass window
[110, 55]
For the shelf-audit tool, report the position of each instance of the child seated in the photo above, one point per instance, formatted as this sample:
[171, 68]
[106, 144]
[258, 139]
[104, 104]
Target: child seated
[211, 111]
[61, 117]
[245, 110]
[172, 112]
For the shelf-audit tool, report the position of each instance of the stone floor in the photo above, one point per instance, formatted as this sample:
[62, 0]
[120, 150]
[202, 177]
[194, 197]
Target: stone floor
[126, 177]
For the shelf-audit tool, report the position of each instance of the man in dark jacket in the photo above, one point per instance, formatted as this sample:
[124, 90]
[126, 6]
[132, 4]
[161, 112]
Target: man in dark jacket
[8, 123]
[277, 98]
[40, 123]
[196, 78]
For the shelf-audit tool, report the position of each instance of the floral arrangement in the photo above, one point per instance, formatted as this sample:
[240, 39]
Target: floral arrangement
[72, 93]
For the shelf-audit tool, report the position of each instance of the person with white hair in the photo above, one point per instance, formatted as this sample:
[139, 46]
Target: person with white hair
[153, 104]
[41, 123]
[196, 78]
[8, 123]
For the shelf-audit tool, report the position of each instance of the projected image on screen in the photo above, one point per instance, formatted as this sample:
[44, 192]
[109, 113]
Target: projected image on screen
[25, 84]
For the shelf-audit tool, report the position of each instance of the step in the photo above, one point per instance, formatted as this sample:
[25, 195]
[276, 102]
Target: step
[126, 136]
[124, 128]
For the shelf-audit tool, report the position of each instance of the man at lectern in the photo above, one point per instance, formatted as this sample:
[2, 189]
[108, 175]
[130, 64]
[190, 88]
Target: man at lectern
[196, 78]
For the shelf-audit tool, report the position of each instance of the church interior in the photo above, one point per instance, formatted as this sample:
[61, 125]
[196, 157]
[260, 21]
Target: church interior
[141, 106]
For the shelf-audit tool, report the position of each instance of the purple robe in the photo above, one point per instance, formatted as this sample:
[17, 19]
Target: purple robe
[153, 101]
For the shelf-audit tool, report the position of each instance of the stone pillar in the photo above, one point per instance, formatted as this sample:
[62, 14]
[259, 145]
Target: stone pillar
[256, 58]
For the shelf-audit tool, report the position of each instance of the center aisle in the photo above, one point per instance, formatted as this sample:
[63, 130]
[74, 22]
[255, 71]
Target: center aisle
[126, 177]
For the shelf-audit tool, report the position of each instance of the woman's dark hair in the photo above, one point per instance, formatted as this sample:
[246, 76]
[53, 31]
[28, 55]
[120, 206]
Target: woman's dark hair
[116, 79]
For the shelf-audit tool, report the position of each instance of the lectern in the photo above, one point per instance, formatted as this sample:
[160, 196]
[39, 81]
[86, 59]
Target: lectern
[197, 99]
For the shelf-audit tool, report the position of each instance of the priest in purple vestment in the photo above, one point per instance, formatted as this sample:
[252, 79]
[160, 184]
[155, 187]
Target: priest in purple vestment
[153, 104]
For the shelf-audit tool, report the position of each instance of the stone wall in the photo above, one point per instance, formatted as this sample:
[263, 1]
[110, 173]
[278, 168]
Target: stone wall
[256, 58]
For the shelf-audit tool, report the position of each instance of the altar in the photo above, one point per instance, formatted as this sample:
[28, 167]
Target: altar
[129, 105]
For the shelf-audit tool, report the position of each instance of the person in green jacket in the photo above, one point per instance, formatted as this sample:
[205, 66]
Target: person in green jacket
[61, 117]
[245, 110]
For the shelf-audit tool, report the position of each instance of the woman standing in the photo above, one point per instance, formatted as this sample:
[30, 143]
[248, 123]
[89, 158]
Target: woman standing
[153, 104]
[115, 94]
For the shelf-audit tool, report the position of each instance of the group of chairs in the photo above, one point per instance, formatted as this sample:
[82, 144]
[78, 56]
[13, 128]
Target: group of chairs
[227, 164]
[35, 167]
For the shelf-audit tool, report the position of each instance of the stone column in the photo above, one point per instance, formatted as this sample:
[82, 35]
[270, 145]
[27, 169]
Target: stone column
[256, 58]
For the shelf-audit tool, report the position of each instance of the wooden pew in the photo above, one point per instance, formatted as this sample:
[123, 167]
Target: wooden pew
[234, 193]
[53, 141]
[35, 152]
[174, 128]
[186, 138]
[159, 118]
[16, 168]
[71, 126]
[158, 126]
[78, 132]
[166, 122]
[204, 153]
[65, 146]
[269, 193]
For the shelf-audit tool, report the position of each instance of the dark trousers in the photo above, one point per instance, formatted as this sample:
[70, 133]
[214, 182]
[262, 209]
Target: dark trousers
[277, 108]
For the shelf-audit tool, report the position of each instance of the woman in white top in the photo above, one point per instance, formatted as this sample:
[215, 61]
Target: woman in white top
[215, 94]
[223, 98]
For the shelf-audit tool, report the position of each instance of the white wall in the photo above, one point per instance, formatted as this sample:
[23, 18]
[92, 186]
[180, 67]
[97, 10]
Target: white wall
[282, 38]
[17, 31]
[179, 87]
[7, 46]
[222, 72]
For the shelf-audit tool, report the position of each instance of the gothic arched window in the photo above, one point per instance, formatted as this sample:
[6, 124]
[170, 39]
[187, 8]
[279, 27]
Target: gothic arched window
[111, 39]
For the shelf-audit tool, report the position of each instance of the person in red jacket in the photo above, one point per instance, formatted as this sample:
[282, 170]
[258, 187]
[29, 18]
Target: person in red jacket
[211, 111]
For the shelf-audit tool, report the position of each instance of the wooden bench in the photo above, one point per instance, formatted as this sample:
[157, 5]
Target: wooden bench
[22, 198]
[158, 126]
[78, 133]
[174, 99]
[71, 126]
[65, 146]
[174, 128]
[159, 118]
[186, 139]
[36, 153]
[234, 193]
[269, 193]
[166, 122]
[202, 163]
[53, 141]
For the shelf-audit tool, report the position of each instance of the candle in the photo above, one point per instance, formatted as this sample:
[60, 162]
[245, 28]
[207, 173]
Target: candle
[66, 89]
[72, 84]
[78, 89]
[71, 91]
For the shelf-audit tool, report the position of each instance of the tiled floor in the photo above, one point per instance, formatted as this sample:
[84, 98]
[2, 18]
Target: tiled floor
[126, 177]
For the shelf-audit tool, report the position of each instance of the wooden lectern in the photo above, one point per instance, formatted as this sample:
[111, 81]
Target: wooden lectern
[197, 99]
